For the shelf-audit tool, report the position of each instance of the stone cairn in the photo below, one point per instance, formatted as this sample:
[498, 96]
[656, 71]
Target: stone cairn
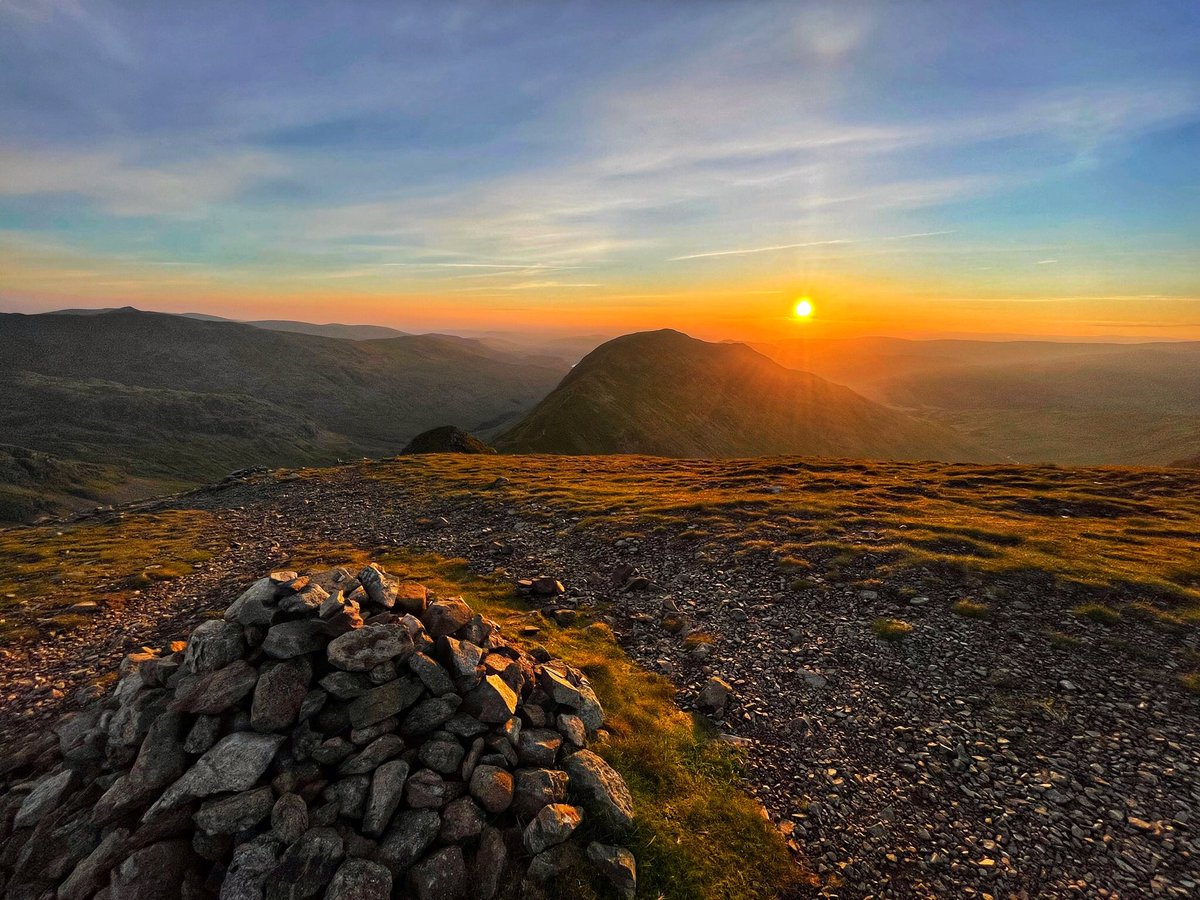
[292, 749]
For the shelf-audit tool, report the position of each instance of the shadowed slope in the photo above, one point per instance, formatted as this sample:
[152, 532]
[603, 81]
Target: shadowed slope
[666, 394]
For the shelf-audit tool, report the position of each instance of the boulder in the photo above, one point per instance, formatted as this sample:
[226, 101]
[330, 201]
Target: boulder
[600, 787]
[365, 648]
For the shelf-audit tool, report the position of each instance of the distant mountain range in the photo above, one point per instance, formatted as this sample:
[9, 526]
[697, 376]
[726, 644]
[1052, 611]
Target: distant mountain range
[114, 404]
[177, 400]
[668, 394]
[1031, 401]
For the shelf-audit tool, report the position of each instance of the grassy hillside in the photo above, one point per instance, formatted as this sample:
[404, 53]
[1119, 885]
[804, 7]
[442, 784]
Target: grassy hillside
[1031, 401]
[180, 400]
[667, 394]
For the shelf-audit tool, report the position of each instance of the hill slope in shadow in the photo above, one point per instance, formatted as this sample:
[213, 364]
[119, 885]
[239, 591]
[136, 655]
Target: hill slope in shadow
[666, 394]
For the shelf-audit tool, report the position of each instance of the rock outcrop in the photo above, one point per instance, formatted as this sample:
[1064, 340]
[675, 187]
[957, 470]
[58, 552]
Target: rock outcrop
[446, 439]
[334, 735]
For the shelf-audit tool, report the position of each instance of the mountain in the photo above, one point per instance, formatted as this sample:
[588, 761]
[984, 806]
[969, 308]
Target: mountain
[445, 439]
[666, 394]
[1192, 463]
[182, 401]
[1033, 401]
[332, 329]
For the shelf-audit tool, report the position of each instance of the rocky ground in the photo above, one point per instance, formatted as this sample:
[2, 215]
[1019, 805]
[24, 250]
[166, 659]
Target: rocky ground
[971, 758]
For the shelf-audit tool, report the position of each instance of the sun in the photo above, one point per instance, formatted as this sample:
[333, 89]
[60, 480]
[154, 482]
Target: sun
[803, 309]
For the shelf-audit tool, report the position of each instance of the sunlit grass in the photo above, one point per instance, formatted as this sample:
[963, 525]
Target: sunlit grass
[1128, 530]
[972, 609]
[47, 569]
[891, 629]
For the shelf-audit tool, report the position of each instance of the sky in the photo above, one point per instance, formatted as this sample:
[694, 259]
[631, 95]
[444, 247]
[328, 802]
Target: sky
[915, 168]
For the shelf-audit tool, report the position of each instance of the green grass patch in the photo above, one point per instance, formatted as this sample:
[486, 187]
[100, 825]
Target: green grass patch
[45, 570]
[891, 629]
[1100, 613]
[1062, 640]
[972, 609]
[698, 835]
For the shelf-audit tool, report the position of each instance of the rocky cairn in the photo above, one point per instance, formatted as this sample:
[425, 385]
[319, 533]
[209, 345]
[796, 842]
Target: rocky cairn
[332, 735]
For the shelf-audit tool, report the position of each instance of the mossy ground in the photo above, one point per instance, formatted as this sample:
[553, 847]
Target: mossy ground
[46, 569]
[1132, 532]
[698, 836]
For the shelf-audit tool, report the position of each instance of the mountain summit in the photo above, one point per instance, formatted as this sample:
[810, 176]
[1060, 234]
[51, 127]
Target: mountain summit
[667, 394]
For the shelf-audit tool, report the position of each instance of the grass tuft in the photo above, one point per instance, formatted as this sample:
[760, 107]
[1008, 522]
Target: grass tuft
[972, 609]
[891, 629]
[1098, 612]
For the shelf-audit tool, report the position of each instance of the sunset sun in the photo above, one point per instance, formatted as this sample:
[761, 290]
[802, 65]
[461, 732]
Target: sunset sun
[803, 308]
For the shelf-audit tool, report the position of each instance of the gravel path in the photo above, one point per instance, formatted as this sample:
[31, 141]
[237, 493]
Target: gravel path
[973, 758]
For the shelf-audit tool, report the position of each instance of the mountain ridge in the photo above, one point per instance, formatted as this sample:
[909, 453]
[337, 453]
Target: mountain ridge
[664, 393]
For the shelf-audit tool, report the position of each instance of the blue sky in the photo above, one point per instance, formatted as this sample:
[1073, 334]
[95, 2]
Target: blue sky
[579, 164]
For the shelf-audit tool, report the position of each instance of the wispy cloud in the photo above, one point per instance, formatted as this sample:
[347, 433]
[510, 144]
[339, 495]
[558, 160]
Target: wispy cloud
[769, 249]
[122, 186]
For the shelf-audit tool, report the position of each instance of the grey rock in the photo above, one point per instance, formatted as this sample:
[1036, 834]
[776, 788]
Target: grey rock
[217, 691]
[91, 872]
[346, 685]
[384, 701]
[571, 688]
[554, 862]
[600, 787]
[535, 788]
[489, 864]
[551, 826]
[364, 648]
[462, 658]
[45, 797]
[235, 763]
[332, 751]
[440, 876]
[572, 729]
[413, 831]
[350, 793]
[443, 756]
[362, 736]
[307, 600]
[462, 820]
[214, 644]
[252, 863]
[280, 692]
[432, 674]
[254, 607]
[360, 879]
[203, 734]
[715, 694]
[538, 747]
[289, 818]
[493, 788]
[379, 587]
[152, 873]
[443, 617]
[430, 714]
[491, 701]
[617, 865]
[238, 812]
[387, 790]
[307, 866]
[426, 790]
[290, 639]
[378, 751]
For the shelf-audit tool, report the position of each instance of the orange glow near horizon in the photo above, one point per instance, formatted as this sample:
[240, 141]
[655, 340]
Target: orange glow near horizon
[740, 306]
